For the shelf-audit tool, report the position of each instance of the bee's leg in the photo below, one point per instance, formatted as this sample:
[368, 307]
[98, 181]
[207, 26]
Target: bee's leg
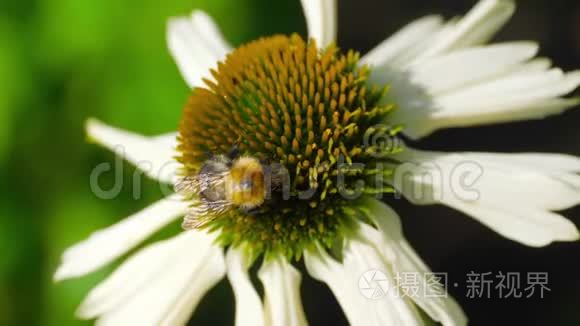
[234, 152]
[253, 211]
[274, 200]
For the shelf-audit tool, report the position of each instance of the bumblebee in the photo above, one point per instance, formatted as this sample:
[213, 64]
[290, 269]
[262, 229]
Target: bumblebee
[225, 182]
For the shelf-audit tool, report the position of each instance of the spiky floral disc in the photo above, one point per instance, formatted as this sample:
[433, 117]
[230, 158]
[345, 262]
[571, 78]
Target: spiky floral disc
[284, 101]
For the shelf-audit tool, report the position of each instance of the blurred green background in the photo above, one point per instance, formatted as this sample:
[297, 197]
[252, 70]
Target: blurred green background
[62, 61]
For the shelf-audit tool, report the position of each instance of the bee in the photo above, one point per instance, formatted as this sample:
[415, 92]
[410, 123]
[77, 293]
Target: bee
[223, 183]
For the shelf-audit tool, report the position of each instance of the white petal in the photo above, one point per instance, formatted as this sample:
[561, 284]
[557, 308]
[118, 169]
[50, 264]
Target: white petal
[104, 246]
[454, 82]
[160, 285]
[343, 280]
[402, 44]
[499, 175]
[547, 163]
[321, 19]
[527, 92]
[519, 87]
[282, 302]
[197, 45]
[476, 28]
[153, 155]
[249, 309]
[507, 112]
[509, 193]
[203, 274]
[325, 269]
[528, 226]
[468, 66]
[168, 140]
[441, 308]
[533, 66]
[519, 110]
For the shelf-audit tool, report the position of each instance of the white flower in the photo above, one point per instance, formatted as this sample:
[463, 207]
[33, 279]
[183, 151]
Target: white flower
[442, 75]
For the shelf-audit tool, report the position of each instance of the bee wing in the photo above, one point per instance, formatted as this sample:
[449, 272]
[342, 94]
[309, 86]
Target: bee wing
[204, 212]
[197, 183]
[206, 189]
[193, 221]
[187, 185]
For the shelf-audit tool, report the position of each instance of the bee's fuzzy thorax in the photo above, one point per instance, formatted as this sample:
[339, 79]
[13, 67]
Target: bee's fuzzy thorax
[245, 184]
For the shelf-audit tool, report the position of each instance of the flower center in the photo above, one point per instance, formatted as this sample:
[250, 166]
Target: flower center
[310, 113]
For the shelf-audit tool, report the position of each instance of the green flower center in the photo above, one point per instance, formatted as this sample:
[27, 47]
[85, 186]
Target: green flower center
[284, 101]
